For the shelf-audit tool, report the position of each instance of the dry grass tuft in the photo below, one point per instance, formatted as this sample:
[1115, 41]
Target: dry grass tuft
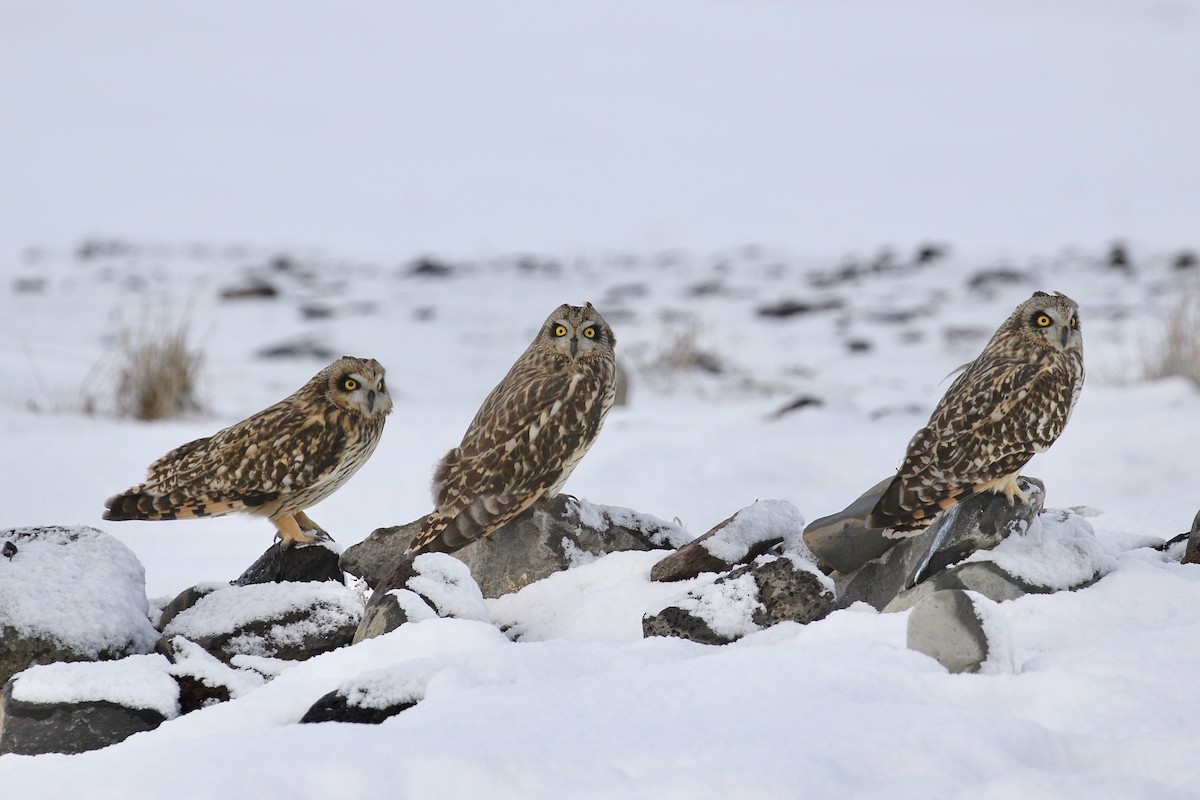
[157, 372]
[1177, 351]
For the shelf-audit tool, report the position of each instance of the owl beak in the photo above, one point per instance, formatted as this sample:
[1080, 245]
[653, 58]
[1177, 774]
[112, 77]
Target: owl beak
[1066, 334]
[371, 400]
[574, 346]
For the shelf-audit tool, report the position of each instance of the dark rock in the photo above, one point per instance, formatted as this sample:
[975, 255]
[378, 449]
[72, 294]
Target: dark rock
[791, 308]
[989, 278]
[858, 345]
[803, 401]
[291, 621]
[947, 626]
[1186, 260]
[752, 597]
[552, 535]
[335, 707]
[256, 289]
[428, 267]
[682, 624]
[76, 707]
[9, 550]
[425, 587]
[1192, 554]
[739, 539]
[299, 348]
[203, 679]
[978, 523]
[35, 728]
[929, 253]
[317, 561]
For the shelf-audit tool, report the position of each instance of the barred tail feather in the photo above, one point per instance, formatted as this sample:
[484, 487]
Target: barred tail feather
[442, 534]
[138, 504]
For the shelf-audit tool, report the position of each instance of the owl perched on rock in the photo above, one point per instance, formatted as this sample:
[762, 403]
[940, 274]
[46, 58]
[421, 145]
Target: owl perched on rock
[528, 435]
[275, 464]
[1009, 403]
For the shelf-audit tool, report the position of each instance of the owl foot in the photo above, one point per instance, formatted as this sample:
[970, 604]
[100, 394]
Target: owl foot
[289, 533]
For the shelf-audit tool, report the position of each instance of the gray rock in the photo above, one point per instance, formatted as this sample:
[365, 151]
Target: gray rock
[203, 679]
[843, 541]
[739, 539]
[1192, 554]
[425, 587]
[985, 577]
[979, 523]
[554, 534]
[337, 707]
[962, 631]
[754, 596]
[291, 621]
[317, 561]
[99, 609]
[34, 728]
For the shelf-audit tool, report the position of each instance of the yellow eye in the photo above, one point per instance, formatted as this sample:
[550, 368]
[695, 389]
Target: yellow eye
[589, 333]
[349, 384]
[1074, 322]
[1043, 321]
[379, 386]
[560, 330]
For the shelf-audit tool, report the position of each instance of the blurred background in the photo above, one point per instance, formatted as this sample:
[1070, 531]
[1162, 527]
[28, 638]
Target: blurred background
[382, 130]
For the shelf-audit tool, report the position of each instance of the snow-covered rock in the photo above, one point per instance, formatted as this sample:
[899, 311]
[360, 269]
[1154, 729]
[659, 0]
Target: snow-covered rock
[75, 707]
[426, 587]
[554, 534]
[739, 539]
[771, 589]
[69, 594]
[317, 561]
[278, 620]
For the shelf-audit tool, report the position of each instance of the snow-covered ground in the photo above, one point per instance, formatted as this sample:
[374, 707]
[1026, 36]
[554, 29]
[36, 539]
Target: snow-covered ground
[683, 166]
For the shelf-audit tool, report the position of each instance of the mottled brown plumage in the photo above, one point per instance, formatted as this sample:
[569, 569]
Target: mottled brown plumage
[529, 434]
[277, 463]
[1010, 403]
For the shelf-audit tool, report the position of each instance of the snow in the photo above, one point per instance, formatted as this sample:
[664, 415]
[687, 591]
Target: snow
[77, 586]
[447, 583]
[1001, 658]
[137, 681]
[682, 164]
[193, 661]
[1059, 550]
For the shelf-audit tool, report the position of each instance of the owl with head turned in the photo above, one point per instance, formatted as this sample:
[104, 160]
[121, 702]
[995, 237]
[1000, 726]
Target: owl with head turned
[1007, 405]
[276, 463]
[530, 433]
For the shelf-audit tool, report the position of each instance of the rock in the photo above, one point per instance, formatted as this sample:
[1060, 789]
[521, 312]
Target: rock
[75, 707]
[963, 631]
[291, 621]
[983, 577]
[203, 679]
[185, 600]
[554, 534]
[317, 561]
[426, 587]
[70, 594]
[843, 541]
[774, 588]
[336, 707]
[739, 539]
[1192, 554]
[978, 523]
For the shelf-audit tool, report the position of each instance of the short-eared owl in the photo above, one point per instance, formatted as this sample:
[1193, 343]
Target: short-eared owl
[529, 433]
[276, 463]
[1011, 402]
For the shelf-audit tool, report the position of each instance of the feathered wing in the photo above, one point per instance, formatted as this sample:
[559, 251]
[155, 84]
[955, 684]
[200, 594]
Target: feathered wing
[231, 470]
[521, 445]
[991, 421]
